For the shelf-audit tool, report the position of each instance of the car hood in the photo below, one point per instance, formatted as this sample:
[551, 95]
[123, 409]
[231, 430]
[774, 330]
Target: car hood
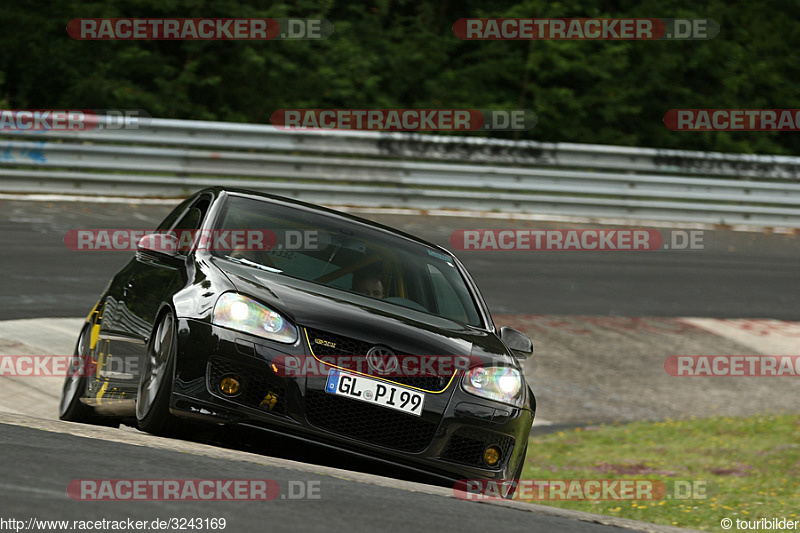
[359, 317]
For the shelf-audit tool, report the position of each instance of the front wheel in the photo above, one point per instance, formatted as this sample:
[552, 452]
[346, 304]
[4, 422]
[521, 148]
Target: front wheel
[155, 382]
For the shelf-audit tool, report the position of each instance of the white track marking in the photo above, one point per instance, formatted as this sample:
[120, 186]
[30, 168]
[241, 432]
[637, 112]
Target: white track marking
[763, 336]
[88, 199]
[49, 336]
[35, 396]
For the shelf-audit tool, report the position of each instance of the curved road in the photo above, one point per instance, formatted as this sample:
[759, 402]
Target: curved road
[345, 502]
[737, 275]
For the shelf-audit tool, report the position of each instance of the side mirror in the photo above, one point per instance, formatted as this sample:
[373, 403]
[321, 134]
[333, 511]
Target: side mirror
[160, 244]
[516, 341]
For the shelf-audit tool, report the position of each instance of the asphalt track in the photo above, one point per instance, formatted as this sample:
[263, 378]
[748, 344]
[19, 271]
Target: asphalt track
[347, 501]
[743, 275]
[38, 490]
[738, 274]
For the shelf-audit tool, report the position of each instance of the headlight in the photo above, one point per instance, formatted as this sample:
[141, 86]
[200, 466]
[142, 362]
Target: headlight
[243, 314]
[499, 383]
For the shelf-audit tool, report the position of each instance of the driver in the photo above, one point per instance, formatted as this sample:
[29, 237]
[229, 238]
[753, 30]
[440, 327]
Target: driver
[368, 285]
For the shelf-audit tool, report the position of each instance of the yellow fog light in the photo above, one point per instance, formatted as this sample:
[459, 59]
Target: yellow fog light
[491, 455]
[229, 385]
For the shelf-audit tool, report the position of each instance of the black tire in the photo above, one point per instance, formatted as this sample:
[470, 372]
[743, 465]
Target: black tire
[70, 407]
[155, 381]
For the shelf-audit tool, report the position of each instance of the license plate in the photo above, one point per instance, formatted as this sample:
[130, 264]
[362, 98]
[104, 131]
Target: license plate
[375, 392]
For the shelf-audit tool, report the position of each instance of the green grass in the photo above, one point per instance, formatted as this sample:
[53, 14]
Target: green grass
[751, 467]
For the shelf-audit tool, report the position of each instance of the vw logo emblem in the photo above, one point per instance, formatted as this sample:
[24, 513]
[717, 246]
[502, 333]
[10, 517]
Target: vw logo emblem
[382, 360]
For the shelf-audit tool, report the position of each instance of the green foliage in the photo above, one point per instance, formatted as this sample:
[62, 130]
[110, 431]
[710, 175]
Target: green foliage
[749, 467]
[401, 53]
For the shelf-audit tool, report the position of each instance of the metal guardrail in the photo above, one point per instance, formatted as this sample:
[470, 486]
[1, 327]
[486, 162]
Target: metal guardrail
[175, 157]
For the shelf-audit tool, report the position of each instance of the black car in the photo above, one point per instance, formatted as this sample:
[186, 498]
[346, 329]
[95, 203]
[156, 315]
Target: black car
[211, 332]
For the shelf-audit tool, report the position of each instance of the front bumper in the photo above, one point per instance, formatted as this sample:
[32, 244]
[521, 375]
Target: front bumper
[446, 441]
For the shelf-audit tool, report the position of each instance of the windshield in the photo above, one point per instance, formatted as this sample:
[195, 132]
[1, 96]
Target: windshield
[337, 253]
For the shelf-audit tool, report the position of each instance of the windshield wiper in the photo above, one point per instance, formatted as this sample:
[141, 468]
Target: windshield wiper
[243, 261]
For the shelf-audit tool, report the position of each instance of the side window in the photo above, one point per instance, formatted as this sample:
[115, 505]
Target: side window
[173, 216]
[190, 219]
[193, 217]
